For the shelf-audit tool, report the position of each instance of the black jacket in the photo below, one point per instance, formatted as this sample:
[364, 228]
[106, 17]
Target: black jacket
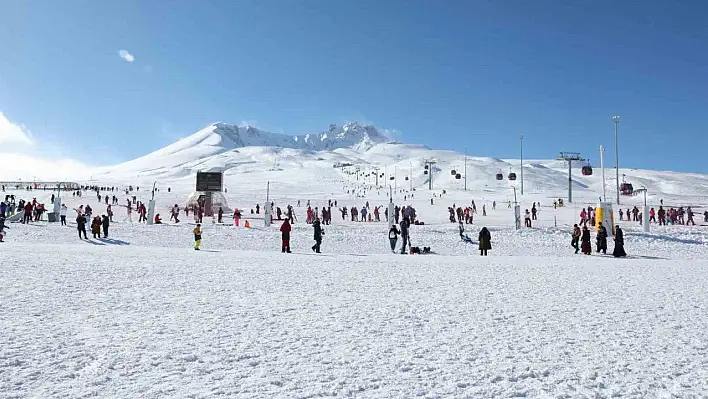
[318, 231]
[393, 233]
[81, 222]
[619, 236]
[404, 228]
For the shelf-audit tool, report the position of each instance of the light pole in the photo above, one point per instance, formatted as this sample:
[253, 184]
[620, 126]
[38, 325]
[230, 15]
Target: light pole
[602, 166]
[465, 169]
[616, 120]
[522, 163]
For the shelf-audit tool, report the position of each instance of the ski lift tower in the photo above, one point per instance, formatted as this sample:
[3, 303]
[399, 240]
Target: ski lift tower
[570, 157]
[429, 163]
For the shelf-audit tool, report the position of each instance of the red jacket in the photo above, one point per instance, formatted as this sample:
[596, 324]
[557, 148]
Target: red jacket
[285, 227]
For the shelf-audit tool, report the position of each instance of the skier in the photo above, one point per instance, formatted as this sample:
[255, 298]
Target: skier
[576, 238]
[197, 236]
[318, 235]
[81, 225]
[285, 229]
[158, 220]
[393, 237]
[585, 241]
[533, 212]
[652, 215]
[404, 234]
[619, 252]
[485, 241]
[601, 238]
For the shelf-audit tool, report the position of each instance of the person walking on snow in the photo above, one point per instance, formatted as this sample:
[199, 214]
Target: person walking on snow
[485, 241]
[576, 238]
[81, 225]
[619, 252]
[62, 214]
[285, 229]
[689, 215]
[197, 236]
[393, 237]
[96, 227]
[317, 227]
[105, 222]
[405, 226]
[601, 238]
[585, 241]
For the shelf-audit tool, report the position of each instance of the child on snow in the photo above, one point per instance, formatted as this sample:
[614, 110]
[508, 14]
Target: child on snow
[197, 236]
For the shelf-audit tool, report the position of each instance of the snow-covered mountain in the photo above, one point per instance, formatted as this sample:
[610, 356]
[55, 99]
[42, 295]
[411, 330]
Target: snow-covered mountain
[247, 154]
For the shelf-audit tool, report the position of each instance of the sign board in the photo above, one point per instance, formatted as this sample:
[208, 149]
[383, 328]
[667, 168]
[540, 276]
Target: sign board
[210, 181]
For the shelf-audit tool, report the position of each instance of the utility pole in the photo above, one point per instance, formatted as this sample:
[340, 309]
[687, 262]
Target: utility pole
[465, 169]
[522, 164]
[602, 166]
[376, 169]
[616, 120]
[570, 157]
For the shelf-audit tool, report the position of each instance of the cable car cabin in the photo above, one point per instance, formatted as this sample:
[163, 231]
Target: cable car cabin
[626, 188]
[587, 170]
[406, 178]
[512, 176]
[426, 167]
[426, 172]
[458, 176]
[453, 172]
[390, 178]
[500, 176]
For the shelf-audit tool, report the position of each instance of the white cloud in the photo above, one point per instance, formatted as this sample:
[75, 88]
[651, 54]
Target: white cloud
[23, 159]
[124, 54]
[13, 134]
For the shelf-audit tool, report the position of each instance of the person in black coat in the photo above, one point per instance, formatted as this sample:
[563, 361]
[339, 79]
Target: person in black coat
[485, 241]
[81, 226]
[601, 238]
[619, 243]
[405, 225]
[318, 235]
[585, 241]
[105, 222]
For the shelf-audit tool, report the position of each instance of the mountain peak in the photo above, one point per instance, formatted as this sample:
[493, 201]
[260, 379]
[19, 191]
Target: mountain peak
[350, 135]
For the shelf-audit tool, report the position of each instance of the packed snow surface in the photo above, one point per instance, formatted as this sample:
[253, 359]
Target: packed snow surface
[141, 314]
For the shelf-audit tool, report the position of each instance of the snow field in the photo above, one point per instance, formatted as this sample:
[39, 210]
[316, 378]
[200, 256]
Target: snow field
[124, 321]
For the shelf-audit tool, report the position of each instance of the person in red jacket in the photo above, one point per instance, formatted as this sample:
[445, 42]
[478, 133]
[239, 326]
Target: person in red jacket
[285, 229]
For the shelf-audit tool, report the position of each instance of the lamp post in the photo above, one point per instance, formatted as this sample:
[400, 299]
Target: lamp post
[522, 163]
[616, 120]
[465, 169]
[602, 166]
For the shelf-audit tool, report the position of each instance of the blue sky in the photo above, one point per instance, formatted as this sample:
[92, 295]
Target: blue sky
[452, 74]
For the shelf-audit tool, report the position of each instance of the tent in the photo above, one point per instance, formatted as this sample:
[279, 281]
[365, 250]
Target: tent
[217, 199]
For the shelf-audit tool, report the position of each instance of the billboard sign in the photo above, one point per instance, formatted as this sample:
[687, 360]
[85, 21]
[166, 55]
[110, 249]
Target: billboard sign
[210, 181]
